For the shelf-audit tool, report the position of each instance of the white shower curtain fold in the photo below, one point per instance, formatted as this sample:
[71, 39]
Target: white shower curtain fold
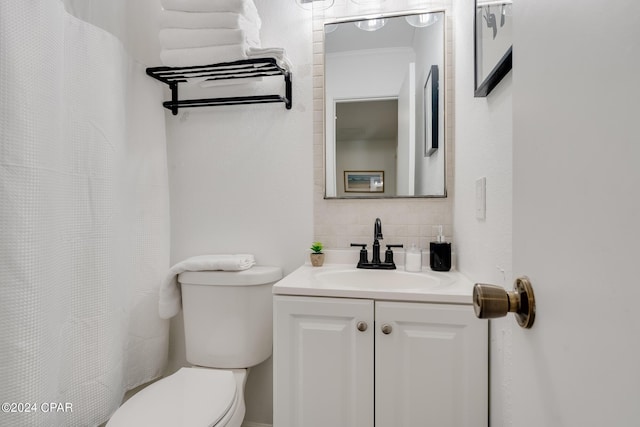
[83, 218]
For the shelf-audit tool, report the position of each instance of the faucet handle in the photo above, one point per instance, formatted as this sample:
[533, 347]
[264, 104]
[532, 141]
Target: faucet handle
[388, 254]
[364, 256]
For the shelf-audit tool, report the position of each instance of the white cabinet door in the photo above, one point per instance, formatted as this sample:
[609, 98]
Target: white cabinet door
[323, 365]
[431, 366]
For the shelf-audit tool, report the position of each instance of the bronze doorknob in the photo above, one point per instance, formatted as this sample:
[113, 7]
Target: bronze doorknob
[490, 301]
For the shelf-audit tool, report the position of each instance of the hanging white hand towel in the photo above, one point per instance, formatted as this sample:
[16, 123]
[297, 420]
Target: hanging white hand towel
[170, 296]
[203, 55]
[179, 19]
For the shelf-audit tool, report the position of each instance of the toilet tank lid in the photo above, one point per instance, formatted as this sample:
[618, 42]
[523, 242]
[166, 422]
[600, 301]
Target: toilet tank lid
[256, 275]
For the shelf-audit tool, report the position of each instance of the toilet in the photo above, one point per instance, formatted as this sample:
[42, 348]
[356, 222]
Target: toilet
[228, 328]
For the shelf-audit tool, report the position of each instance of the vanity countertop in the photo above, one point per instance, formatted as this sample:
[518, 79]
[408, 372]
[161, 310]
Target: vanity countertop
[346, 281]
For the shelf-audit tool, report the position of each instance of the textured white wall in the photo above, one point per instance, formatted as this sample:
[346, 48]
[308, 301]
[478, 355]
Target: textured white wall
[241, 178]
[135, 23]
[483, 134]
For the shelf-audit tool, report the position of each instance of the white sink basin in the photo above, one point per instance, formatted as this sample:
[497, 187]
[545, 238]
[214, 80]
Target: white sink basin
[339, 278]
[377, 279]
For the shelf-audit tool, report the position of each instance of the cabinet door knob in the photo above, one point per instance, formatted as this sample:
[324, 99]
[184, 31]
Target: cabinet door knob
[386, 329]
[362, 326]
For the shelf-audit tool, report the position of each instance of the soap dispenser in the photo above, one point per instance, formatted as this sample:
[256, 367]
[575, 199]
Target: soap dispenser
[440, 253]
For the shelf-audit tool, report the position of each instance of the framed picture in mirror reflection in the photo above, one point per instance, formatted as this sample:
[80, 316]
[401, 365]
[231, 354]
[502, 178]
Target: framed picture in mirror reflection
[364, 181]
[431, 103]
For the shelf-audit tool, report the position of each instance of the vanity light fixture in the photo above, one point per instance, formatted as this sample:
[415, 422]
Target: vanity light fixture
[423, 20]
[371, 24]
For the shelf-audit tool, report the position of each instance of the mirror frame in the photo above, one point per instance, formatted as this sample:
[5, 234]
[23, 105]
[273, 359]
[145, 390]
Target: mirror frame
[504, 65]
[441, 87]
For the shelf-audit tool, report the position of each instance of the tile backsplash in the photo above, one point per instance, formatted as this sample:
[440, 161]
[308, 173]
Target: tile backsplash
[338, 223]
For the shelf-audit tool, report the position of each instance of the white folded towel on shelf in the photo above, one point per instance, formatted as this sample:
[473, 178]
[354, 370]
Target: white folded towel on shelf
[179, 19]
[203, 55]
[170, 296]
[218, 83]
[278, 53]
[180, 38]
[246, 7]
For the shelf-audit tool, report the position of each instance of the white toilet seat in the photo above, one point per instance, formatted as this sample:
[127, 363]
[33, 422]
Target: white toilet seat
[197, 397]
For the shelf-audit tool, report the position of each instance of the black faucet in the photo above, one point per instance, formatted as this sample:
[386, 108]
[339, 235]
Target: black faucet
[375, 263]
[377, 234]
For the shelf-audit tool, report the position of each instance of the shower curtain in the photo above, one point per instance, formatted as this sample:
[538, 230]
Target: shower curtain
[84, 231]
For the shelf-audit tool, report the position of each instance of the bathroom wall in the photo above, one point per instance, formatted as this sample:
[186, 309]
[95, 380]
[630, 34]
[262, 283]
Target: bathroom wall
[241, 178]
[483, 133]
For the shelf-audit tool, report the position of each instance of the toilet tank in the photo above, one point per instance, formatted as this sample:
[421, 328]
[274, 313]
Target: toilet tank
[228, 320]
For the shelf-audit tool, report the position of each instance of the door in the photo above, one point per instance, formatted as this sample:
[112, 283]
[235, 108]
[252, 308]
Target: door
[431, 366]
[576, 213]
[323, 362]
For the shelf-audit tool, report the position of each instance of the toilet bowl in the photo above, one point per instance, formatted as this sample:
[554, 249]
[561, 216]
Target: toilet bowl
[228, 329]
[189, 397]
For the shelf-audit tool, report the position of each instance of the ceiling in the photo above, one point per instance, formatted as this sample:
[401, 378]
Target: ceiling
[347, 37]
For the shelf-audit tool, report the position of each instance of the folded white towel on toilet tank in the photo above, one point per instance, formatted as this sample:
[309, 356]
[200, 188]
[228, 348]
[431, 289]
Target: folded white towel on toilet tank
[170, 296]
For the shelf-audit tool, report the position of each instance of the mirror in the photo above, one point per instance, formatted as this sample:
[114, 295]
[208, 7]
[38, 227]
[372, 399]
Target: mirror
[384, 107]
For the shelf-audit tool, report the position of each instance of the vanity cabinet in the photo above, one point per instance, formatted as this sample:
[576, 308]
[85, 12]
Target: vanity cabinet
[345, 362]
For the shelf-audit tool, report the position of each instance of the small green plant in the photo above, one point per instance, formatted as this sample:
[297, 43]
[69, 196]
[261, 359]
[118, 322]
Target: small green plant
[316, 247]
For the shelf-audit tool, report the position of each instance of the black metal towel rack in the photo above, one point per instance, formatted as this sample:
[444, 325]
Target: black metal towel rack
[246, 68]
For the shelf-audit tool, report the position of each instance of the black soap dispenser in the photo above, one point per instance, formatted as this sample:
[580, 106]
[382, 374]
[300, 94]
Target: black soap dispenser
[440, 253]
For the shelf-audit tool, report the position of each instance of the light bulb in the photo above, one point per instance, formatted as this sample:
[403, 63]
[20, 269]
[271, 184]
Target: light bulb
[423, 20]
[371, 24]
